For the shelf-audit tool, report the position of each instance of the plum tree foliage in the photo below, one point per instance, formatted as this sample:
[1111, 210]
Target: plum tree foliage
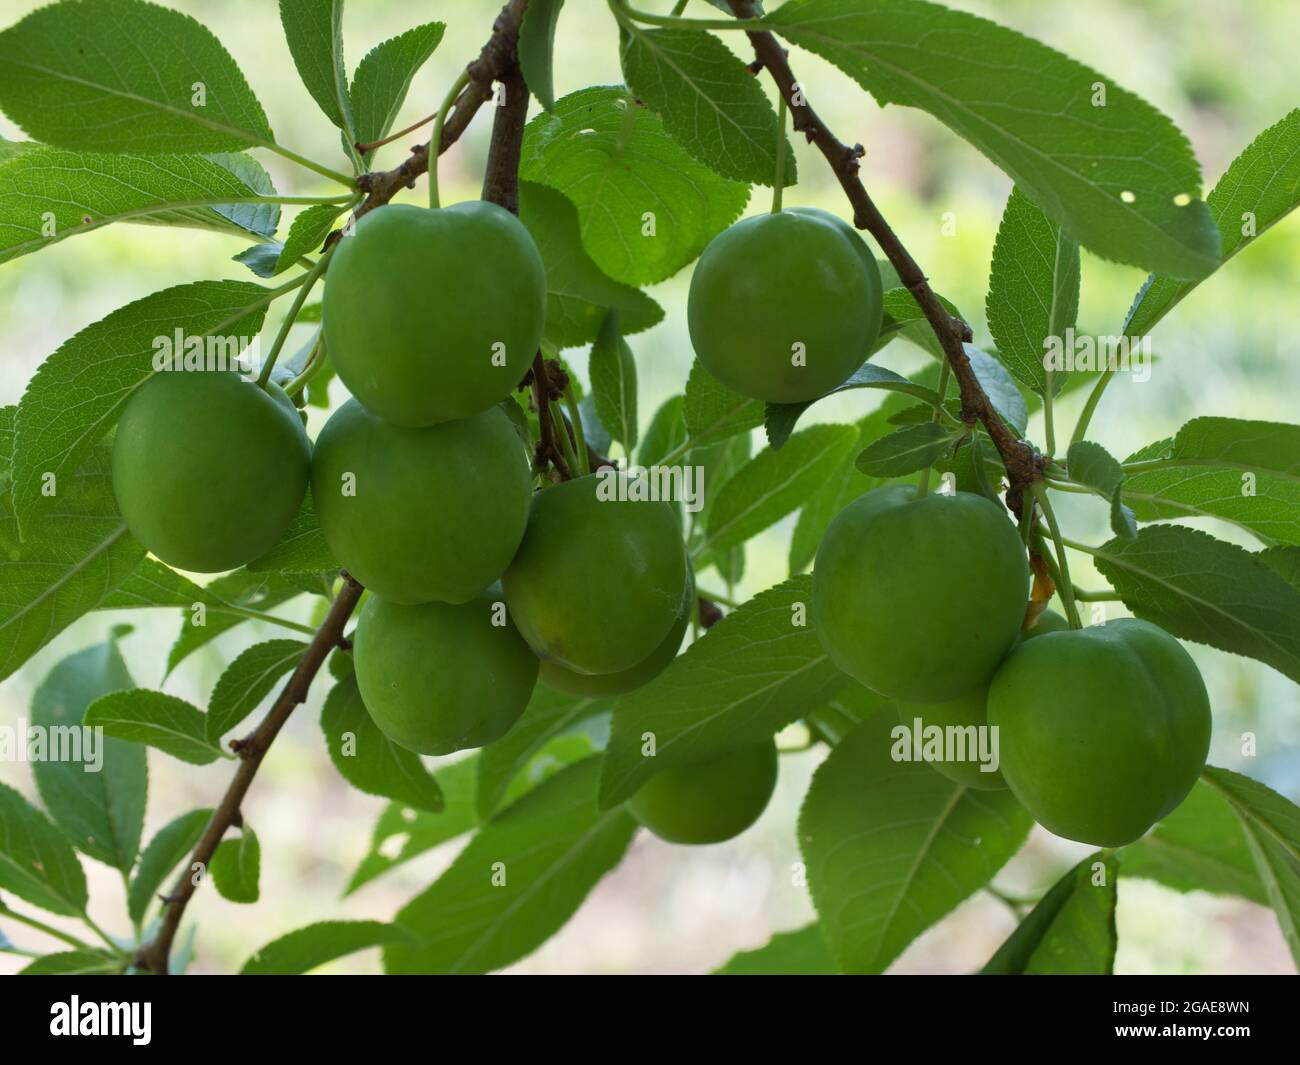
[535, 570]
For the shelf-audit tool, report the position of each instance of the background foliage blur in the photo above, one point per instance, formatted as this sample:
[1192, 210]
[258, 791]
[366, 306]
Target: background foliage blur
[1222, 72]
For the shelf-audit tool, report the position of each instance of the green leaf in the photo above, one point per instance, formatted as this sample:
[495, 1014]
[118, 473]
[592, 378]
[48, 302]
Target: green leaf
[368, 759]
[1119, 179]
[157, 719]
[578, 295]
[235, 867]
[126, 76]
[1091, 464]
[1071, 932]
[927, 843]
[800, 953]
[780, 418]
[613, 159]
[74, 963]
[306, 235]
[172, 845]
[713, 411]
[758, 669]
[708, 100]
[307, 948]
[1245, 472]
[518, 880]
[666, 432]
[1033, 291]
[75, 555]
[97, 801]
[906, 450]
[1198, 847]
[1258, 190]
[37, 863]
[246, 682]
[999, 386]
[50, 194]
[314, 30]
[78, 393]
[302, 548]
[243, 590]
[537, 49]
[383, 78]
[775, 483]
[903, 316]
[1272, 827]
[612, 371]
[1202, 589]
[151, 584]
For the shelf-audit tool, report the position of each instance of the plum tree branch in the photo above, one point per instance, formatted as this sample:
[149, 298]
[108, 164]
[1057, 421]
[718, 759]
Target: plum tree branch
[153, 955]
[1022, 461]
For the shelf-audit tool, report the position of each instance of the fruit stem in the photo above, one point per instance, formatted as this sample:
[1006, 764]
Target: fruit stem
[308, 280]
[1067, 587]
[778, 181]
[1049, 424]
[1090, 407]
[580, 462]
[435, 136]
[314, 362]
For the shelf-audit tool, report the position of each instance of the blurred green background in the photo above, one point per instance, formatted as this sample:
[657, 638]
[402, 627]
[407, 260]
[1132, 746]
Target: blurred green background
[1222, 72]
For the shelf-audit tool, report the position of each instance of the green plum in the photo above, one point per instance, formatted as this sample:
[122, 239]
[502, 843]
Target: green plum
[421, 514]
[208, 468]
[433, 315]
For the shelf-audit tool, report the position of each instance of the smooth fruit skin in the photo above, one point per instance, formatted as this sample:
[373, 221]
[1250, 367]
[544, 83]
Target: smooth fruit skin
[208, 468]
[431, 315]
[710, 801]
[598, 582]
[971, 711]
[438, 678]
[775, 281]
[919, 599]
[1104, 730]
[437, 512]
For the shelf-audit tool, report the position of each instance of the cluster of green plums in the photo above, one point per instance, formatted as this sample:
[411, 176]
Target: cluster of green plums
[1101, 731]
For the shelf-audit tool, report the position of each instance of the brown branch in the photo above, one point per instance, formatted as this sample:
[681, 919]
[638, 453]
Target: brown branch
[501, 176]
[1023, 463]
[152, 956]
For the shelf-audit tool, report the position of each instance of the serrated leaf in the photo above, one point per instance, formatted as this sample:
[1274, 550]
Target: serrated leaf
[906, 450]
[780, 418]
[243, 590]
[74, 963]
[578, 295]
[709, 101]
[799, 953]
[248, 680]
[1033, 291]
[902, 316]
[927, 842]
[78, 393]
[236, 866]
[999, 387]
[314, 31]
[537, 49]
[76, 553]
[37, 863]
[1271, 824]
[383, 78]
[666, 432]
[306, 235]
[1259, 188]
[518, 880]
[1091, 464]
[172, 845]
[623, 172]
[1245, 472]
[713, 411]
[157, 719]
[612, 371]
[151, 584]
[97, 800]
[775, 483]
[369, 760]
[1119, 179]
[307, 948]
[1071, 932]
[744, 680]
[126, 76]
[1202, 589]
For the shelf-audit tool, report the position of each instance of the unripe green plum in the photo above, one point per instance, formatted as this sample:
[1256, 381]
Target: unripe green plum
[784, 307]
[432, 315]
[421, 514]
[208, 468]
[919, 599]
[598, 582]
[1103, 730]
[970, 714]
[709, 801]
[437, 677]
